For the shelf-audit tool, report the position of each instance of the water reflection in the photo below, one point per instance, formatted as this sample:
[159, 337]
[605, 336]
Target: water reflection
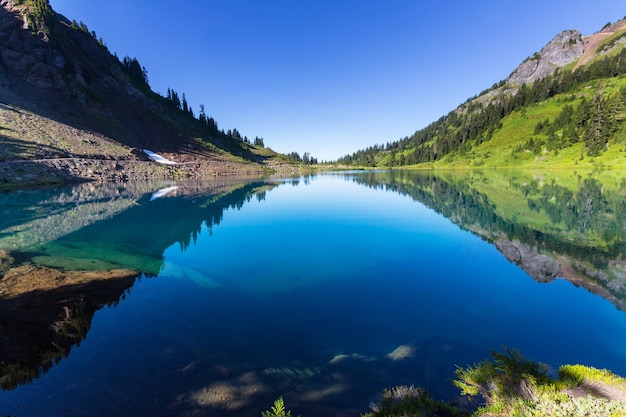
[35, 216]
[324, 291]
[67, 252]
[100, 227]
[554, 224]
[45, 312]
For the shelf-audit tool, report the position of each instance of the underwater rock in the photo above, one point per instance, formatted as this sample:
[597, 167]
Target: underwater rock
[6, 260]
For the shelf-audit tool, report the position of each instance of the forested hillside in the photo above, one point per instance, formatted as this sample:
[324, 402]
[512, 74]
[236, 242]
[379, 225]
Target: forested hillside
[574, 116]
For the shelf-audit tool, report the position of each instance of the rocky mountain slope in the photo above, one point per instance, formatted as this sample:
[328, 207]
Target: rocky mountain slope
[70, 110]
[563, 106]
[565, 48]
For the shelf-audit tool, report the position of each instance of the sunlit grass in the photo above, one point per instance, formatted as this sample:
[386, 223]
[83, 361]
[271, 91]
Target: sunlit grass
[574, 375]
[509, 385]
[502, 150]
[515, 390]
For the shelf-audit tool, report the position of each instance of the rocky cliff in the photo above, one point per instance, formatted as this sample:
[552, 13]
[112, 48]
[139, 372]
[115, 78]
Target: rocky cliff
[25, 52]
[568, 47]
[565, 48]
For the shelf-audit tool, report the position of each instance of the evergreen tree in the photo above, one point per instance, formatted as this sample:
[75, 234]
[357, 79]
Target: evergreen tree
[212, 124]
[176, 100]
[185, 107]
[135, 71]
[595, 136]
[202, 116]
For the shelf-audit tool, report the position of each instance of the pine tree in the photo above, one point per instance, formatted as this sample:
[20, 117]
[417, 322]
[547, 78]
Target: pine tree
[135, 71]
[185, 105]
[202, 115]
[175, 99]
[595, 136]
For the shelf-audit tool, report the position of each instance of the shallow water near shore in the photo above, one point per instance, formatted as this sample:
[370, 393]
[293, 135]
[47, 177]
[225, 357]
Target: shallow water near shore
[322, 289]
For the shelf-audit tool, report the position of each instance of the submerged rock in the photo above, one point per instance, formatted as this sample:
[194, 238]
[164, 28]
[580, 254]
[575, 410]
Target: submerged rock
[6, 260]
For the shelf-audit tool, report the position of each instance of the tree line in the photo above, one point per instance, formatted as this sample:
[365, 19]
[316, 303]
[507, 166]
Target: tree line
[306, 158]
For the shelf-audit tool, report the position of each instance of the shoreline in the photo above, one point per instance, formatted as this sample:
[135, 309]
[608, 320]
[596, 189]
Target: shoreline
[66, 171]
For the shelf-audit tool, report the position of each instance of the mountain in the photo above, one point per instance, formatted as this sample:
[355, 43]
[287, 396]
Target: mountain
[563, 106]
[71, 110]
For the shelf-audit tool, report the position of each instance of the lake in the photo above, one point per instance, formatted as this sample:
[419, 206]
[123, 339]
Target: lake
[215, 298]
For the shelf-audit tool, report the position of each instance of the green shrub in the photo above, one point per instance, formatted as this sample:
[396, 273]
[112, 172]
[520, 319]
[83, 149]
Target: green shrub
[574, 375]
[511, 385]
[278, 410]
[411, 401]
[507, 377]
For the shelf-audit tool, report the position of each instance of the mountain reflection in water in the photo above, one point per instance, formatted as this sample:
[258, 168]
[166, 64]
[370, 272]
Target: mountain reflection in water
[81, 248]
[318, 289]
[570, 225]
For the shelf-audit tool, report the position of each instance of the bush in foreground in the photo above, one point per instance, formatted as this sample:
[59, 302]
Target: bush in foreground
[411, 401]
[277, 410]
[508, 385]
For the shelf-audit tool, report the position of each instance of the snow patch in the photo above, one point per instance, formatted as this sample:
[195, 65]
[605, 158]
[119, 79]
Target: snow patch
[158, 158]
[163, 191]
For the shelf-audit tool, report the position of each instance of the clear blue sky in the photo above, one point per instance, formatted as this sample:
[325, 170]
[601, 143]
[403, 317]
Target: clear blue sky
[331, 76]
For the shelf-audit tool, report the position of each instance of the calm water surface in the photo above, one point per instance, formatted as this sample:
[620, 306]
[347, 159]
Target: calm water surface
[320, 289]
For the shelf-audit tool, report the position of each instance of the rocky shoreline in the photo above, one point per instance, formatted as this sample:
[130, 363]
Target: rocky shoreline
[33, 173]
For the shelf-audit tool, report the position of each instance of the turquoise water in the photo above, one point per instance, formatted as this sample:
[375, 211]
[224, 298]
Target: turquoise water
[321, 290]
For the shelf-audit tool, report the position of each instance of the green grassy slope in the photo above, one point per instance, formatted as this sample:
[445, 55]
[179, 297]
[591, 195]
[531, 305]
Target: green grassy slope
[527, 126]
[509, 145]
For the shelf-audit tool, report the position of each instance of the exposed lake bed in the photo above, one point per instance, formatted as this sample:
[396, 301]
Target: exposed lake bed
[320, 289]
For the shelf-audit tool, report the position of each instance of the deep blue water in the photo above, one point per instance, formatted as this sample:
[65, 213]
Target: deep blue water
[304, 293]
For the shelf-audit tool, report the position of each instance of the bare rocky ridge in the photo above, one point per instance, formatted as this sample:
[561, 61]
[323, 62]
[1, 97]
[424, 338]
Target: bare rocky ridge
[568, 48]
[565, 48]
[593, 42]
